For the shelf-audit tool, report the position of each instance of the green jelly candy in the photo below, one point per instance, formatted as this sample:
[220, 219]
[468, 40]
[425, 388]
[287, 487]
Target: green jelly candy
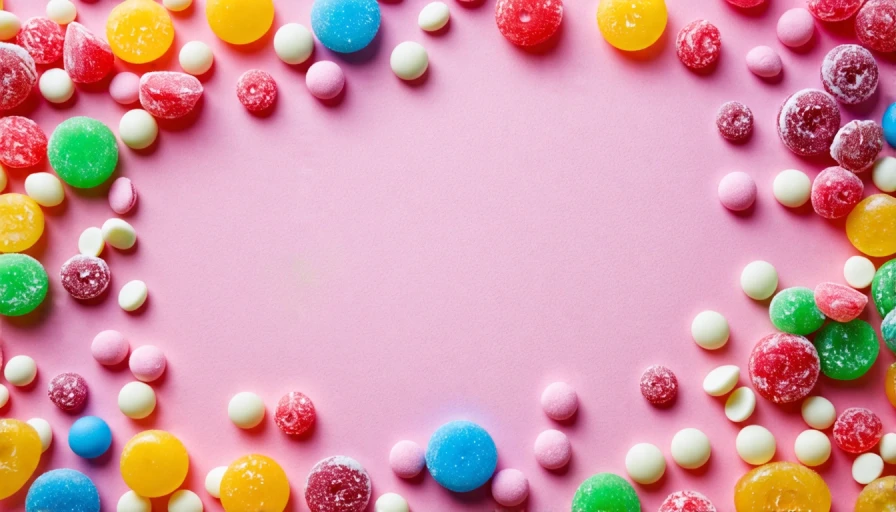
[883, 288]
[83, 152]
[606, 492]
[888, 329]
[793, 310]
[23, 284]
[847, 351]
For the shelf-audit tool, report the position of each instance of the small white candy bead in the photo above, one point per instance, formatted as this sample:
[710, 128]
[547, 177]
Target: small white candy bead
[759, 280]
[434, 16]
[812, 448]
[119, 234]
[409, 60]
[645, 463]
[720, 381]
[888, 448]
[293, 43]
[213, 481]
[62, 12]
[755, 444]
[20, 371]
[131, 502]
[56, 86]
[246, 409]
[690, 448]
[44, 432]
[818, 412]
[884, 174]
[91, 242]
[740, 405]
[136, 400]
[792, 188]
[176, 5]
[45, 189]
[867, 468]
[859, 272]
[710, 330]
[9, 25]
[132, 295]
[196, 58]
[184, 501]
[138, 129]
[391, 502]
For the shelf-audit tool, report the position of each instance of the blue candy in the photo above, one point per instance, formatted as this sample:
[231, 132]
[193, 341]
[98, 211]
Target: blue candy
[62, 490]
[89, 437]
[889, 125]
[461, 456]
[345, 26]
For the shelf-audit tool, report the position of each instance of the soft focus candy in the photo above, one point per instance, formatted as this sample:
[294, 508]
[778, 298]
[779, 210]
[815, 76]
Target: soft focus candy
[870, 227]
[19, 75]
[83, 152]
[20, 451]
[808, 120]
[858, 271]
[257, 482]
[659, 385]
[795, 27]
[461, 456]
[43, 39]
[9, 24]
[857, 145]
[788, 486]
[345, 26]
[62, 490]
[883, 288]
[833, 10]
[295, 413]
[528, 22]
[890, 384]
[62, 12]
[875, 25]
[85, 277]
[784, 367]
[510, 487]
[407, 459]
[883, 175]
[838, 302]
[68, 391]
[240, 21]
[44, 432]
[764, 62]
[23, 283]
[147, 363]
[878, 496]
[835, 192]
[848, 350]
[86, 57]
[605, 492]
[337, 484]
[888, 331]
[89, 437]
[213, 481]
[849, 73]
[139, 31]
[154, 463]
[21, 222]
[793, 310]
[632, 25]
[687, 501]
[22, 142]
[734, 121]
[857, 430]
[169, 94]
[256, 90]
[125, 88]
[698, 44]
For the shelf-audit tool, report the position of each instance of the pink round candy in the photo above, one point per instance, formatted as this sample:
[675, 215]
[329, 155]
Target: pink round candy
[552, 449]
[559, 401]
[85, 277]
[808, 120]
[295, 414]
[833, 10]
[125, 88]
[256, 90]
[510, 487]
[764, 62]
[835, 192]
[875, 26]
[68, 391]
[849, 73]
[795, 27]
[122, 195]
[659, 385]
[407, 459]
[325, 79]
[147, 363]
[737, 191]
[734, 121]
[698, 44]
[109, 348]
[857, 145]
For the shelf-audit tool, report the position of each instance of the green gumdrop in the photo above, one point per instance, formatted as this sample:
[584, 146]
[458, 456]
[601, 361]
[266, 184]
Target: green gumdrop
[83, 152]
[883, 288]
[793, 310]
[606, 492]
[847, 351]
[888, 329]
[23, 284]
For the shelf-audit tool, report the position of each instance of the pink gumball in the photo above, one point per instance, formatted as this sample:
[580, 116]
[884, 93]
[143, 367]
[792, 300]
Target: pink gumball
[147, 363]
[325, 80]
[737, 191]
[559, 401]
[764, 62]
[125, 88]
[510, 487]
[109, 348]
[552, 449]
[407, 459]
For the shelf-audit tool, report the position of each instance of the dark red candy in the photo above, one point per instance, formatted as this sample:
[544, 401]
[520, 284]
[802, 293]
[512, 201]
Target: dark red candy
[857, 430]
[17, 75]
[849, 73]
[528, 22]
[876, 25]
[85, 277]
[68, 391]
[833, 10]
[808, 120]
[784, 367]
[687, 501]
[857, 145]
[295, 414]
[43, 39]
[256, 90]
[22, 142]
[698, 44]
[734, 121]
[169, 94]
[835, 192]
[337, 484]
[838, 302]
[87, 59]
[659, 385]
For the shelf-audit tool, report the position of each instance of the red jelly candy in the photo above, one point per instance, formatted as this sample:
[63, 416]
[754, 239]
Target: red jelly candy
[849, 73]
[85, 277]
[68, 391]
[43, 39]
[687, 501]
[876, 25]
[835, 192]
[169, 94]
[22, 142]
[337, 484]
[87, 59]
[745, 4]
[857, 430]
[734, 121]
[839, 303]
[784, 367]
[256, 90]
[528, 22]
[295, 414]
[857, 145]
[698, 44]
[833, 10]
[17, 75]
[659, 385]
[808, 121]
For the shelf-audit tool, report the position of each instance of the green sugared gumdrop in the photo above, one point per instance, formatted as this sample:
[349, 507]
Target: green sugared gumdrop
[83, 152]
[606, 492]
[23, 284]
[847, 351]
[793, 310]
[883, 288]
[888, 330]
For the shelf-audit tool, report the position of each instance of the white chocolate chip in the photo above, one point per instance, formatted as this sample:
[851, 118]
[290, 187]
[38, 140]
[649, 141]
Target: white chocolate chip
[434, 16]
[740, 405]
[45, 189]
[138, 129]
[136, 400]
[91, 242]
[859, 272]
[20, 371]
[755, 444]
[792, 188]
[645, 463]
[867, 468]
[720, 381]
[818, 412]
[293, 43]
[812, 448]
[690, 448]
[246, 409]
[409, 60]
[710, 330]
[759, 280]
[119, 234]
[184, 501]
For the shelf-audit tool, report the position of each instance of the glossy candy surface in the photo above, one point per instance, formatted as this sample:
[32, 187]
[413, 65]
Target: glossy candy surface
[23, 284]
[781, 486]
[632, 25]
[154, 463]
[20, 451]
[254, 483]
[139, 31]
[21, 222]
[871, 226]
[240, 21]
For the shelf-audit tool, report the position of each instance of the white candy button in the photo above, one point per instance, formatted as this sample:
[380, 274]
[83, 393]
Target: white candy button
[884, 174]
[56, 86]
[690, 448]
[858, 272]
[888, 448]
[293, 43]
[246, 410]
[119, 234]
[710, 330]
[132, 295]
[409, 60]
[756, 445]
[720, 381]
[45, 189]
[184, 501]
[131, 502]
[759, 280]
[4, 396]
[867, 468]
[645, 463]
[740, 405]
[818, 412]
[62, 12]
[176, 5]
[9, 25]
[391, 502]
[792, 188]
[91, 242]
[196, 58]
[434, 16]
[44, 432]
[20, 371]
[138, 129]
[136, 400]
[812, 448]
[213, 481]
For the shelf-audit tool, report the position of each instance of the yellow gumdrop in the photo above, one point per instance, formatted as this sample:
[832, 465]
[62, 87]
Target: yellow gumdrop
[154, 463]
[878, 496]
[19, 454]
[254, 483]
[139, 31]
[631, 25]
[871, 225]
[21, 222]
[782, 486]
[240, 21]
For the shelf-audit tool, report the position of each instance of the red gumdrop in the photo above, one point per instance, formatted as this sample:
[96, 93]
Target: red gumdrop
[528, 22]
[784, 367]
[698, 44]
[17, 75]
[876, 25]
[857, 430]
[337, 484]
[86, 58]
[808, 120]
[835, 192]
[838, 302]
[746, 4]
[169, 94]
[256, 90]
[659, 385]
[687, 501]
[833, 10]
[857, 145]
[849, 73]
[68, 391]
[85, 277]
[22, 142]
[43, 39]
[295, 414]
[734, 121]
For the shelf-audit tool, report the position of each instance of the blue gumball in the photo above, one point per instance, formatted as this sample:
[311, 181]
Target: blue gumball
[62, 490]
[345, 26]
[889, 125]
[461, 456]
[89, 437]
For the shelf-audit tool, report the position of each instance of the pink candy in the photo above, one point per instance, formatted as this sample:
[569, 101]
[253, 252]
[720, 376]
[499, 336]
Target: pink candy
[68, 391]
[109, 348]
[87, 59]
[838, 302]
[734, 121]
[876, 25]
[338, 484]
[764, 62]
[125, 88]
[169, 94]
[552, 449]
[295, 414]
[833, 10]
[687, 501]
[325, 80]
[857, 145]
[737, 191]
[43, 39]
[559, 401]
[18, 75]
[849, 73]
[808, 120]
[85, 277]
[857, 430]
[835, 192]
[510, 487]
[122, 195]
[407, 459]
[698, 44]
[22, 142]
[784, 367]
[147, 363]
[795, 27]
[746, 4]
[528, 22]
[659, 385]
[256, 90]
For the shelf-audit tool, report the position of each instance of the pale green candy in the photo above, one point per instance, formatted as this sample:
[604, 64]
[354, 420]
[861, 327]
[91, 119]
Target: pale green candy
[23, 284]
[883, 288]
[83, 152]
[793, 310]
[606, 492]
[848, 350]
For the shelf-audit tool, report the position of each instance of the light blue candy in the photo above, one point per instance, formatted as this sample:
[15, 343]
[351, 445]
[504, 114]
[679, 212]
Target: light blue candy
[888, 330]
[345, 26]
[461, 456]
[89, 437]
[889, 125]
[62, 490]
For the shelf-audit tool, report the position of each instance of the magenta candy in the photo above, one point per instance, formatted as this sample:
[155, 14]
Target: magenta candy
[737, 191]
[109, 348]
[857, 145]
[68, 391]
[325, 80]
[835, 192]
[122, 195]
[876, 25]
[528, 22]
[559, 401]
[87, 58]
[838, 302]
[295, 414]
[857, 430]
[808, 120]
[338, 484]
[169, 94]
[784, 367]
[19, 75]
[510, 487]
[698, 44]
[734, 121]
[256, 90]
[85, 277]
[43, 39]
[125, 88]
[849, 73]
[22, 142]
[147, 363]
[659, 385]
[407, 459]
[833, 10]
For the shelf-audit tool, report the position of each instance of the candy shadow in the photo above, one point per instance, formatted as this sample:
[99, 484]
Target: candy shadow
[806, 47]
[477, 496]
[649, 54]
[546, 47]
[772, 80]
[255, 46]
[39, 315]
[417, 82]
[142, 310]
[366, 54]
[186, 122]
[865, 108]
[472, 4]
[759, 11]
[335, 102]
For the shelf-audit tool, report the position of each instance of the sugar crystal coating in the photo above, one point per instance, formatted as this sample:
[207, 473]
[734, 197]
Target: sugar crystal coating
[169, 94]
[22, 142]
[784, 367]
[857, 145]
[62, 490]
[883, 288]
[407, 459]
[838, 302]
[254, 482]
[510, 487]
[870, 227]
[875, 25]
[835, 192]
[793, 310]
[698, 44]
[85, 277]
[606, 492]
[552, 449]
[787, 485]
[68, 391]
[659, 385]
[154, 463]
[325, 79]
[83, 152]
[18, 75]
[559, 401]
[833, 10]
[687, 501]
[734, 121]
[345, 26]
[808, 120]
[295, 413]
[879, 495]
[849, 73]
[847, 350]
[20, 450]
[338, 484]
[23, 284]
[139, 31]
[256, 90]
[632, 26]
[528, 22]
[461, 456]
[86, 57]
[857, 430]
[43, 39]
[888, 331]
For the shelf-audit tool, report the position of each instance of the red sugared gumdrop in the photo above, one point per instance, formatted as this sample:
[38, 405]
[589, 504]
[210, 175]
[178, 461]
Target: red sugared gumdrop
[256, 90]
[876, 25]
[734, 121]
[17, 75]
[87, 59]
[22, 142]
[43, 39]
[857, 430]
[68, 391]
[169, 94]
[698, 44]
[784, 367]
[659, 385]
[746, 4]
[833, 10]
[838, 302]
[528, 22]
[687, 501]
[857, 145]
[835, 192]
[337, 484]
[85, 277]
[808, 121]
[295, 414]
[849, 73]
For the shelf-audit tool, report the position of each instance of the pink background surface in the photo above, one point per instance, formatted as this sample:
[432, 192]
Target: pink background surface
[420, 253]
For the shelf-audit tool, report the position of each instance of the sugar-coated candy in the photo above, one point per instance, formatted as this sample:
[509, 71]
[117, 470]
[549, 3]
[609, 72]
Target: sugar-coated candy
[22, 142]
[795, 27]
[409, 60]
[883, 288]
[345, 26]
[125, 88]
[740, 404]
[109, 348]
[246, 410]
[119, 234]
[883, 175]
[867, 468]
[9, 25]
[295, 413]
[887, 448]
[42, 38]
[764, 62]
[136, 400]
[461, 456]
[808, 120]
[62, 490]
[759, 279]
[818, 412]
[407, 459]
[552, 449]
[734, 121]
[19, 75]
[833, 10]
[132, 295]
[870, 226]
[690, 448]
[257, 482]
[559, 401]
[835, 192]
[528, 22]
[737, 191]
[792, 188]
[325, 79]
[62, 12]
[838, 302]
[147, 363]
[857, 430]
[605, 492]
[184, 500]
[784, 367]
[44, 432]
[213, 481]
[337, 484]
[133, 502]
[89, 437]
[875, 25]
[154, 463]
[85, 277]
[644, 463]
[721, 380]
[687, 501]
[139, 31]
[240, 21]
[196, 58]
[849, 73]
[632, 25]
[710, 330]
[847, 350]
[86, 57]
[698, 44]
[83, 152]
[755, 444]
[20, 451]
[793, 310]
[68, 391]
[56, 86]
[138, 129]
[789, 485]
[890, 384]
[169, 94]
[256, 90]
[510, 487]
[888, 331]
[177, 5]
[23, 283]
[122, 195]
[293, 43]
[877, 496]
[812, 448]
[857, 145]
[433, 17]
[659, 385]
[20, 371]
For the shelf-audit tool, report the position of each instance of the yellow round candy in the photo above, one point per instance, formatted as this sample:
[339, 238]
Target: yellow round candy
[139, 31]
[240, 21]
[783, 486]
[19, 454]
[21, 222]
[871, 225]
[254, 483]
[631, 25]
[878, 496]
[154, 463]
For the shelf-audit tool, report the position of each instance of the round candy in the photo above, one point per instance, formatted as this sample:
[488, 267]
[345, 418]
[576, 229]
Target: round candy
[433, 17]
[409, 60]
[85, 277]
[83, 152]
[293, 43]
[659, 385]
[883, 175]
[391, 502]
[869, 228]
[184, 501]
[764, 62]
[833, 10]
[407, 459]
[710, 330]
[510, 487]
[91, 242]
[812, 448]
[240, 21]
[87, 58]
[138, 129]
[295, 414]
[887, 448]
[19, 75]
[877, 496]
[782, 483]
[795, 27]
[154, 463]
[119, 234]
[875, 27]
[132, 502]
[528, 22]
[605, 491]
[734, 121]
[857, 430]
[9, 25]
[737, 191]
[818, 412]
[720, 381]
[122, 195]
[345, 26]
[784, 367]
[698, 44]
[177, 5]
[838, 302]
[759, 279]
[136, 400]
[20, 450]
[552, 449]
[792, 188]
[109, 348]
[690, 448]
[147, 363]
[325, 80]
[132, 295]
[559, 401]
[256, 90]
[213, 481]
[632, 26]
[89, 437]
[139, 31]
[196, 58]
[125, 88]
[62, 490]
[22, 226]
[45, 189]
[849, 73]
[68, 391]
[687, 501]
[246, 410]
[793, 310]
[44, 432]
[755, 444]
[20, 371]
[169, 94]
[62, 12]
[867, 468]
[461, 456]
[857, 145]
[883, 288]
[835, 192]
[338, 484]
[645, 463]
[808, 121]
[42, 38]
[22, 142]
[740, 405]
[56, 86]
[23, 282]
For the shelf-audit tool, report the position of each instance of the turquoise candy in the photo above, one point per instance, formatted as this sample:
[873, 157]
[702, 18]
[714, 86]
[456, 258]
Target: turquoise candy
[883, 288]
[888, 329]
[345, 26]
[62, 490]
[606, 492]
[847, 351]
[793, 310]
[461, 456]
[83, 152]
[23, 284]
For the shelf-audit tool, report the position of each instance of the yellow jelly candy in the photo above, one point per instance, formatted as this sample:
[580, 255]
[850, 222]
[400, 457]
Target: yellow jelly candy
[254, 483]
[631, 25]
[782, 486]
[871, 225]
[240, 21]
[878, 496]
[154, 463]
[21, 222]
[19, 454]
[139, 31]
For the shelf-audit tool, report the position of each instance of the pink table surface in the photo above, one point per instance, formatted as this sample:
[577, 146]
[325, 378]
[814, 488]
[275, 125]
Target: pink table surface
[443, 250]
